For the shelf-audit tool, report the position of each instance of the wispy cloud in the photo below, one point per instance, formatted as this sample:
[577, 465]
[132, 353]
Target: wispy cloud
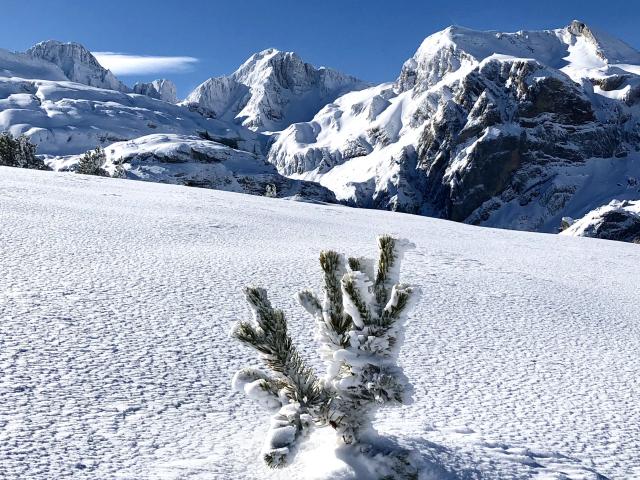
[128, 64]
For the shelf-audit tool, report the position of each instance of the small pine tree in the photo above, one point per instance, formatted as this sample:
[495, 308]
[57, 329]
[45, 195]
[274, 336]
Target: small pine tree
[360, 323]
[19, 152]
[92, 162]
[119, 171]
[270, 190]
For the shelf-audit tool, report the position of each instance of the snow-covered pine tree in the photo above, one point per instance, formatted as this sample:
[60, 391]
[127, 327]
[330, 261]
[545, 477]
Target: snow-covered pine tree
[360, 322]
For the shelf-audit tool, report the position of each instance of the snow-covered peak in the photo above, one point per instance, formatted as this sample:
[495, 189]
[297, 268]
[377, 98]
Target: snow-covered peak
[481, 127]
[572, 48]
[259, 61]
[271, 90]
[608, 48]
[162, 89]
[77, 63]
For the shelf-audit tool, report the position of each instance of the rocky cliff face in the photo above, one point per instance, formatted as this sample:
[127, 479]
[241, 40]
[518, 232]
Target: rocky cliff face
[270, 91]
[490, 128]
[77, 63]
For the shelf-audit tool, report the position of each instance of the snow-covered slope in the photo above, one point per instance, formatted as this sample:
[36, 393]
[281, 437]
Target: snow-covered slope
[77, 63]
[65, 118]
[499, 129]
[117, 298]
[194, 161]
[618, 220]
[21, 65]
[270, 91]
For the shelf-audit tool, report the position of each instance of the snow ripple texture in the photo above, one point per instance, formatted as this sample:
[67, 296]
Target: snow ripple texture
[115, 361]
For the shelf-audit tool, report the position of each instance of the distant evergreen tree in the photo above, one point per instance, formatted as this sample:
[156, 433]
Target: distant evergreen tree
[360, 323]
[92, 163]
[119, 170]
[270, 190]
[19, 152]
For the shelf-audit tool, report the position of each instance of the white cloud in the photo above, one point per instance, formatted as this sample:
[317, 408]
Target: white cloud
[126, 64]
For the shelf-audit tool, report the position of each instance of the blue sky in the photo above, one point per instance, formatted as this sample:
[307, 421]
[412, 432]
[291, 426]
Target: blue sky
[209, 38]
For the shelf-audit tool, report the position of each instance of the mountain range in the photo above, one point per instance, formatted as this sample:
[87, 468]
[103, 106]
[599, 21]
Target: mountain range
[511, 130]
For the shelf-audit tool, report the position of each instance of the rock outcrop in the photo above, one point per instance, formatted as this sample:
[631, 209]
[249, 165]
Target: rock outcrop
[618, 220]
[163, 89]
[193, 161]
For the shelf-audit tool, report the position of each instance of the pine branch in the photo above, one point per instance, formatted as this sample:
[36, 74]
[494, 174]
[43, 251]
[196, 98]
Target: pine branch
[271, 339]
[339, 321]
[351, 289]
[354, 264]
[250, 375]
[310, 303]
[386, 246]
[259, 386]
[288, 427]
[400, 295]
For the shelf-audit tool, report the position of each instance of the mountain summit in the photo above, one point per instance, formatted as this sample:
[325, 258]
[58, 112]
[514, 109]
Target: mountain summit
[270, 91]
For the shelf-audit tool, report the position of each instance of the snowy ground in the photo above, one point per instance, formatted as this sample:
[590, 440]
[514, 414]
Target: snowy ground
[116, 299]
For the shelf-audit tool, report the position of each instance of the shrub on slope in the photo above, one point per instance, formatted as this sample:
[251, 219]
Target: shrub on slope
[19, 152]
[92, 163]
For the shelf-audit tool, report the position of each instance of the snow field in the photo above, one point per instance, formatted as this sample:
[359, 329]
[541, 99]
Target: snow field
[115, 360]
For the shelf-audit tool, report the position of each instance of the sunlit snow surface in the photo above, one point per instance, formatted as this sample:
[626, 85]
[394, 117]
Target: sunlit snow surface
[115, 362]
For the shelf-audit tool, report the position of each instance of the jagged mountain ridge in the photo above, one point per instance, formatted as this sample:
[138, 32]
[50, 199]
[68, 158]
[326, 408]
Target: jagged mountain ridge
[59, 95]
[497, 129]
[270, 91]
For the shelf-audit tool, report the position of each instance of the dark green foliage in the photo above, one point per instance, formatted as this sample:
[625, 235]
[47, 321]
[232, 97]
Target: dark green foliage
[19, 152]
[92, 162]
[310, 302]
[386, 244]
[354, 263]
[330, 262]
[391, 314]
[119, 171]
[351, 290]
